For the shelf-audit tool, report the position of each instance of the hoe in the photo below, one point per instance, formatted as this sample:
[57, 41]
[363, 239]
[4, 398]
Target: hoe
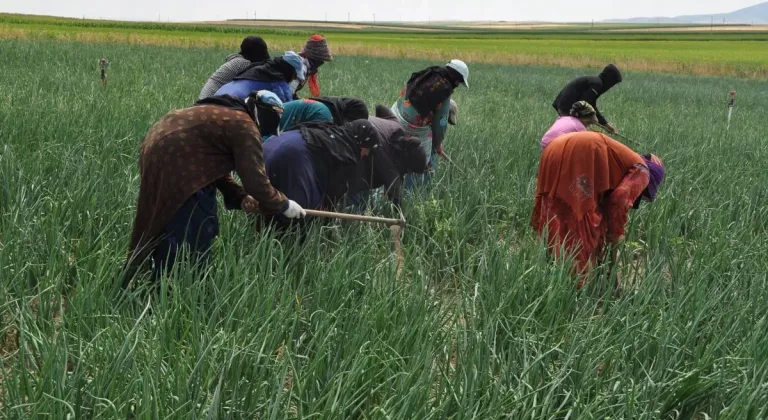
[396, 226]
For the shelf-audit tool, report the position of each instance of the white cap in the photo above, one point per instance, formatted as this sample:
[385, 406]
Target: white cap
[462, 68]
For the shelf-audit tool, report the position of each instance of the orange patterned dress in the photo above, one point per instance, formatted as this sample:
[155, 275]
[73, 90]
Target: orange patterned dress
[587, 184]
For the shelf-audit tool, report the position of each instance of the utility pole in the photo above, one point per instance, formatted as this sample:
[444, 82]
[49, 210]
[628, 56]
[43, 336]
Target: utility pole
[349, 17]
[374, 18]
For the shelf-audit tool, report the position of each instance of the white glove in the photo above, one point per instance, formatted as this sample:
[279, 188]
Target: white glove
[294, 211]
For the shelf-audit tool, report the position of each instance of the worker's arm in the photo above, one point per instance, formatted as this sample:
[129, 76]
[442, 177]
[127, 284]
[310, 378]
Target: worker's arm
[296, 96]
[386, 174]
[440, 125]
[601, 119]
[590, 96]
[245, 141]
[233, 193]
[223, 75]
[622, 199]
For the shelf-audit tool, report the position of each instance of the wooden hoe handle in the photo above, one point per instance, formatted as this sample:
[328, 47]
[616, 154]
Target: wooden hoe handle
[355, 217]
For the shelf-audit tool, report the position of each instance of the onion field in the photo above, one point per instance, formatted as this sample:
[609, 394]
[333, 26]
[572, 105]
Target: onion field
[480, 323]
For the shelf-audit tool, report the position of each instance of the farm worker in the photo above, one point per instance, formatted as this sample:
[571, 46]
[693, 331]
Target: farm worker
[424, 105]
[587, 184]
[338, 110]
[388, 164]
[581, 116]
[316, 53]
[253, 49]
[415, 179]
[273, 75]
[315, 164]
[588, 88]
[184, 159]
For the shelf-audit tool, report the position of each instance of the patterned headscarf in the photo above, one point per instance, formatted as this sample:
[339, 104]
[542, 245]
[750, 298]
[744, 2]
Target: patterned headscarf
[342, 144]
[265, 108]
[656, 172]
[297, 63]
[582, 110]
[317, 49]
[269, 98]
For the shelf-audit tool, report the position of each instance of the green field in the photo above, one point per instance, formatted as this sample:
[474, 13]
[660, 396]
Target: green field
[480, 324]
[737, 53]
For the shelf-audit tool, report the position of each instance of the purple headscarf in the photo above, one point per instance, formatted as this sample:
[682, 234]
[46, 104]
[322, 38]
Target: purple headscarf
[656, 172]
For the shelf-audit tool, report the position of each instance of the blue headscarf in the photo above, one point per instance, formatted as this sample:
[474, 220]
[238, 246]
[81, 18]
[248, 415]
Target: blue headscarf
[303, 111]
[270, 98]
[297, 63]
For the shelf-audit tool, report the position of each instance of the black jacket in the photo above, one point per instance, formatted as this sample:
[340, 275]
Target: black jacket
[587, 88]
[273, 70]
[387, 164]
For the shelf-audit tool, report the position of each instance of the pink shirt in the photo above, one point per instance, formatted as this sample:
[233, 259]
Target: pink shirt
[563, 125]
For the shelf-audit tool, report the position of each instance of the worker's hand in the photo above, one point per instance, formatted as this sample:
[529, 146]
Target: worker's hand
[294, 210]
[440, 151]
[249, 204]
[611, 129]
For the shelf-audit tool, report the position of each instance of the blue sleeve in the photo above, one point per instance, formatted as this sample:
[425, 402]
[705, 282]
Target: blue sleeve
[284, 92]
[440, 123]
[238, 88]
[226, 89]
[223, 75]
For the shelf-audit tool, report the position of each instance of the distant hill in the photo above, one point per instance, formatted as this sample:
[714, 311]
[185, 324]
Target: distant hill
[757, 15]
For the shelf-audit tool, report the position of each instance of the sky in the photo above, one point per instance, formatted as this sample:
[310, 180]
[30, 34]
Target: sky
[364, 10]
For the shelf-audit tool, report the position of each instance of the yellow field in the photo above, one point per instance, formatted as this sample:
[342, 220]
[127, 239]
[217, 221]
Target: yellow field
[738, 53]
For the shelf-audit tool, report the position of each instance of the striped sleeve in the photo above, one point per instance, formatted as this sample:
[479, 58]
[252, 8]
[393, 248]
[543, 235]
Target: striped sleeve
[225, 74]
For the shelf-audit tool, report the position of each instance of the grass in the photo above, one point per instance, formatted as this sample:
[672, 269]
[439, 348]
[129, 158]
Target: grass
[480, 325]
[740, 53]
